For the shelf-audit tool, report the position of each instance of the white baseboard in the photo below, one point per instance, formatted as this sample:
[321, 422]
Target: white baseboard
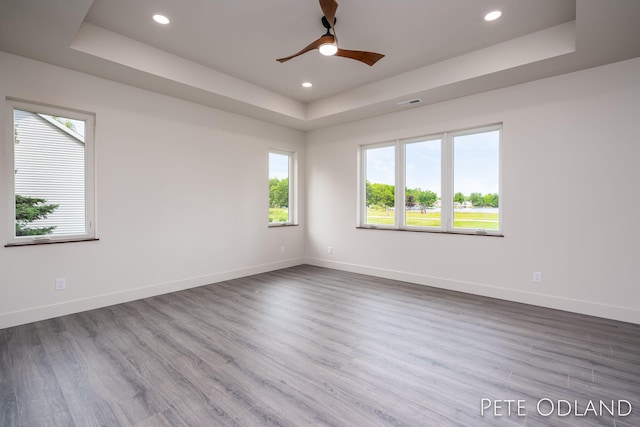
[35, 314]
[624, 314]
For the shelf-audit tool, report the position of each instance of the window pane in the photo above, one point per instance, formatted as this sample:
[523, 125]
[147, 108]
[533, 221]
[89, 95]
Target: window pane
[423, 178]
[380, 185]
[476, 181]
[49, 153]
[279, 187]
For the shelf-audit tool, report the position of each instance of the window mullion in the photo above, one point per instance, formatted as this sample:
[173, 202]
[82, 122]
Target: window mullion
[446, 200]
[10, 171]
[363, 186]
[400, 185]
[291, 195]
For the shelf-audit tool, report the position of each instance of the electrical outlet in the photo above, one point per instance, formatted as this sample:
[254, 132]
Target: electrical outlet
[537, 277]
[61, 284]
[281, 250]
[329, 250]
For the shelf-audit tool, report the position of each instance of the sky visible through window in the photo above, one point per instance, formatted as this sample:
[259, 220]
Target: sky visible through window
[381, 167]
[423, 159]
[476, 164]
[278, 166]
[75, 125]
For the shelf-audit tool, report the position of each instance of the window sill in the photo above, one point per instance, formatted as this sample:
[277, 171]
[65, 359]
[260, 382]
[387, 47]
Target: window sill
[48, 242]
[281, 224]
[413, 230]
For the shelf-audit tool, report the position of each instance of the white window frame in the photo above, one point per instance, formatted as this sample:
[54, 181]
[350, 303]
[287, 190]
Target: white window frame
[293, 188]
[403, 174]
[89, 171]
[362, 207]
[447, 177]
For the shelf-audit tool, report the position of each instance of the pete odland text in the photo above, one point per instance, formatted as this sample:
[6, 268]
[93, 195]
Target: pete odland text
[547, 407]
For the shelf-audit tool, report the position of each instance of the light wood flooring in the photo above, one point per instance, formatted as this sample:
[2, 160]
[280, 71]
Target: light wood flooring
[308, 346]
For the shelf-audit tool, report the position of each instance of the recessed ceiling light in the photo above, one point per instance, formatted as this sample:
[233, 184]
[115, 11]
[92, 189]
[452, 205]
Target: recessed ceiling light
[492, 16]
[307, 84]
[161, 19]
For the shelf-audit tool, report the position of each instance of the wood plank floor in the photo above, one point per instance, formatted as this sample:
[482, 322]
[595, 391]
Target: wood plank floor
[309, 346]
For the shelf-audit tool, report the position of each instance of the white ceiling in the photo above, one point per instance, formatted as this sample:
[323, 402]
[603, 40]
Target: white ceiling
[243, 38]
[222, 53]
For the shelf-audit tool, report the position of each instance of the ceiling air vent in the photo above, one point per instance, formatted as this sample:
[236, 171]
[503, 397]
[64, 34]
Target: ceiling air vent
[414, 101]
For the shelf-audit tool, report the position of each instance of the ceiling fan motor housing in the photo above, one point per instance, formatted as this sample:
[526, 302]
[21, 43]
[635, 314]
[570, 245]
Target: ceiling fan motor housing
[325, 22]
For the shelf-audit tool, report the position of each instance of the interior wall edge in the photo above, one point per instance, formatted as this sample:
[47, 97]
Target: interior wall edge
[36, 314]
[623, 314]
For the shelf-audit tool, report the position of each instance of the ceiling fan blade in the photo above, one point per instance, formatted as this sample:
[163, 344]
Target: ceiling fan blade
[368, 58]
[329, 8]
[327, 38]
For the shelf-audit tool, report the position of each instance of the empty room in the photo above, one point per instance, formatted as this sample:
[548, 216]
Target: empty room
[319, 213]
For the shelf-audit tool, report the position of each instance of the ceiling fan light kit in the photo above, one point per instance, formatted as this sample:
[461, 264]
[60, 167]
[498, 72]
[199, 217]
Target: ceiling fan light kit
[328, 49]
[327, 44]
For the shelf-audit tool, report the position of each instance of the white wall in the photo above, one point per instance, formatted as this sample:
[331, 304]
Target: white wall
[569, 197]
[182, 198]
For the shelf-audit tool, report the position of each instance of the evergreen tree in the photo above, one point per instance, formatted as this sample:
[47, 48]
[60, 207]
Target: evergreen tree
[411, 201]
[30, 209]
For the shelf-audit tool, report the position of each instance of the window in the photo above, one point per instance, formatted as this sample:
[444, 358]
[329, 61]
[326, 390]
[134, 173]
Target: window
[281, 188]
[50, 174]
[380, 177]
[446, 182]
[423, 182]
[476, 180]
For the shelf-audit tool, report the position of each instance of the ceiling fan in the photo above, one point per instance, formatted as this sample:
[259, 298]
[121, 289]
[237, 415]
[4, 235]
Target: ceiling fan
[328, 43]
